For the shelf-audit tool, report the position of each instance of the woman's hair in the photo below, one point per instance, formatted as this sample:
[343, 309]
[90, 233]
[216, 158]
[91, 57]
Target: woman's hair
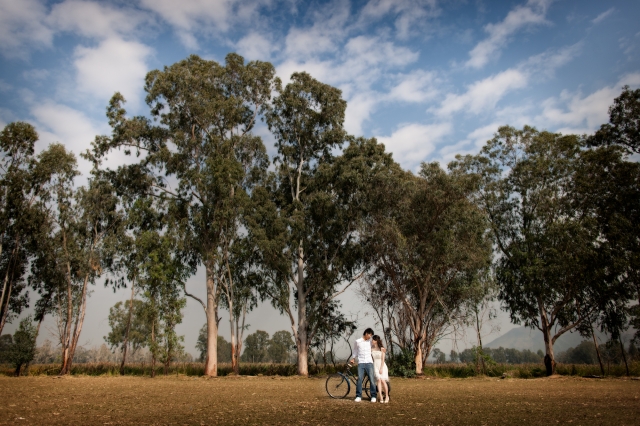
[378, 341]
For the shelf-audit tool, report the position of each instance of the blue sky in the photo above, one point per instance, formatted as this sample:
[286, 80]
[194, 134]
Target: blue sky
[428, 78]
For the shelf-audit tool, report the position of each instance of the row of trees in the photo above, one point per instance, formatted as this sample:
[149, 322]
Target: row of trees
[545, 222]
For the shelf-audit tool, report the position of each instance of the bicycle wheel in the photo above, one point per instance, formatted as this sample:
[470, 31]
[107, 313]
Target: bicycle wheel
[337, 386]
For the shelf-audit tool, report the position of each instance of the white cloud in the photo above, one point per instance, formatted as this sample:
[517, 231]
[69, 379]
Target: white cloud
[255, 46]
[484, 94]
[329, 29]
[114, 65]
[417, 86]
[190, 17]
[410, 15]
[21, 26]
[361, 62]
[575, 113]
[532, 13]
[59, 123]
[545, 64]
[604, 15]
[412, 143]
[359, 108]
[93, 19]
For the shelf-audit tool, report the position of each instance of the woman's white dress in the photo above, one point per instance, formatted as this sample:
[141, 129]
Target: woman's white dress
[377, 361]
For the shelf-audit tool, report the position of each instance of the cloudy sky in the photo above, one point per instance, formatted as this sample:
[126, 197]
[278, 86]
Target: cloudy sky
[428, 78]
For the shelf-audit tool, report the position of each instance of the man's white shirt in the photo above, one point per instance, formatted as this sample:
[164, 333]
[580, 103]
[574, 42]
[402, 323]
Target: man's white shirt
[362, 351]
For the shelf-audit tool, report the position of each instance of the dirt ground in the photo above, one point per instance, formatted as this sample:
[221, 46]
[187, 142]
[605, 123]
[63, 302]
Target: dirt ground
[182, 400]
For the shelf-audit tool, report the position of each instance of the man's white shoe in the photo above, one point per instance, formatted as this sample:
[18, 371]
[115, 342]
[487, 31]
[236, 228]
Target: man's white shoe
[373, 400]
[358, 399]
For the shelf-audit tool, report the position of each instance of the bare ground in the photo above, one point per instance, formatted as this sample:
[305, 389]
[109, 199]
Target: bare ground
[185, 400]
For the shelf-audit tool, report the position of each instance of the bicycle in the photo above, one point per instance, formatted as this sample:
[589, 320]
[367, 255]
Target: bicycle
[338, 385]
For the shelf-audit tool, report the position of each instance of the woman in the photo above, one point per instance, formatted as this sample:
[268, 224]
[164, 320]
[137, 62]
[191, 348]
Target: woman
[380, 370]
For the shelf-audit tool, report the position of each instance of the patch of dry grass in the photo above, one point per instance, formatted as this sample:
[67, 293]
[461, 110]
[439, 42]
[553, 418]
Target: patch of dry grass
[279, 400]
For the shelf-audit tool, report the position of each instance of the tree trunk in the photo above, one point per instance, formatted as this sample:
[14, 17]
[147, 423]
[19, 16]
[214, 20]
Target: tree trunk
[302, 344]
[126, 334]
[549, 358]
[4, 306]
[154, 351]
[66, 341]
[595, 343]
[79, 323]
[480, 351]
[35, 339]
[17, 372]
[7, 286]
[211, 365]
[234, 347]
[418, 360]
[624, 356]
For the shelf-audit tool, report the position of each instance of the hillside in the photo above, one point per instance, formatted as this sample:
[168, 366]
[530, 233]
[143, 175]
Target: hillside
[527, 338]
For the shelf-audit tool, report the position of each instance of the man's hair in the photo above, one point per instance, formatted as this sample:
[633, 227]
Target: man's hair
[368, 331]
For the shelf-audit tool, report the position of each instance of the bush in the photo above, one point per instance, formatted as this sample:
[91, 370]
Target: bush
[402, 363]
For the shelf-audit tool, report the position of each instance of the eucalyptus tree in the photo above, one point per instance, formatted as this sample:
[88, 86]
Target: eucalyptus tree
[606, 189]
[623, 128]
[308, 212]
[88, 226]
[553, 268]
[239, 290]
[199, 155]
[25, 184]
[427, 244]
[129, 328]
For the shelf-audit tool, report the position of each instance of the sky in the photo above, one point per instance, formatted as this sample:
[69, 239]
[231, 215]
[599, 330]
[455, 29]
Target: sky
[428, 78]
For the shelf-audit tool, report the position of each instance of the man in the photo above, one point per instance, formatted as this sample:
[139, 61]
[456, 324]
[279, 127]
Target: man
[362, 352]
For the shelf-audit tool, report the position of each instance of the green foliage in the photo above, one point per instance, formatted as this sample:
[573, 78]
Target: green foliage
[438, 356]
[256, 347]
[584, 353]
[118, 320]
[280, 346]
[402, 363]
[428, 246]
[5, 344]
[624, 122]
[23, 348]
[549, 201]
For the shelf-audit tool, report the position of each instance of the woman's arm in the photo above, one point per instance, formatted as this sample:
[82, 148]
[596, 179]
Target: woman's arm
[383, 350]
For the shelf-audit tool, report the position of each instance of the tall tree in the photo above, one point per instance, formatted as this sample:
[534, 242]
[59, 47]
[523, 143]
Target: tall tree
[551, 272]
[25, 185]
[128, 331]
[427, 244]
[239, 287]
[256, 347]
[308, 213]
[280, 346]
[203, 145]
[86, 226]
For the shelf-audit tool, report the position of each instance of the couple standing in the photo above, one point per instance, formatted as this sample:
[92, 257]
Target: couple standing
[370, 353]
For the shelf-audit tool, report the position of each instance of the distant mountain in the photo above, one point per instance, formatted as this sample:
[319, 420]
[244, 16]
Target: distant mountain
[527, 338]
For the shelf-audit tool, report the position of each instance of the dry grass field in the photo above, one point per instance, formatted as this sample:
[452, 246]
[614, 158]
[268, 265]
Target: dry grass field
[182, 400]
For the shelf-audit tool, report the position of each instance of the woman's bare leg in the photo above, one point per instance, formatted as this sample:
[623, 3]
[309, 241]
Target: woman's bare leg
[384, 389]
